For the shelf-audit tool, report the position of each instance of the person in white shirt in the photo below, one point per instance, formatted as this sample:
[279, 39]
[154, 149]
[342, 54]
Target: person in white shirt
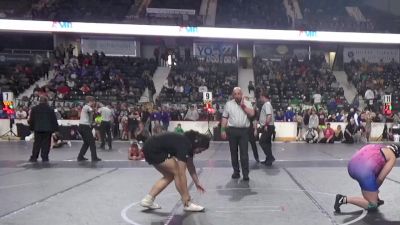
[314, 120]
[234, 125]
[192, 114]
[105, 126]
[85, 129]
[203, 88]
[317, 99]
[369, 97]
[21, 114]
[178, 88]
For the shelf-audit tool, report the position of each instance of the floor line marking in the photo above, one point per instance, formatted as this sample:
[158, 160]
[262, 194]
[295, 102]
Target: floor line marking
[362, 216]
[313, 200]
[54, 195]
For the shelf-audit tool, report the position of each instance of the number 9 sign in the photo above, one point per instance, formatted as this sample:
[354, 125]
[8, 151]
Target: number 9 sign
[207, 97]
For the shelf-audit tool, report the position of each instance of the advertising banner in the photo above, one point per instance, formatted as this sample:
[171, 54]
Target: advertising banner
[372, 55]
[110, 47]
[216, 52]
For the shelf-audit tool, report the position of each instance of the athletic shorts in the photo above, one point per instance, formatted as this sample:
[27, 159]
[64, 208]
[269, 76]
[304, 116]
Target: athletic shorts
[364, 168]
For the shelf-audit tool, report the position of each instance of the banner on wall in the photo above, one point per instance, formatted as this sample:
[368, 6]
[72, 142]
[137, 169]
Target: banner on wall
[171, 11]
[277, 52]
[16, 58]
[216, 52]
[110, 47]
[372, 55]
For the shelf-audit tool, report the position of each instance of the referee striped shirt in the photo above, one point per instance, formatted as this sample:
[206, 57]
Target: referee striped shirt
[236, 115]
[265, 111]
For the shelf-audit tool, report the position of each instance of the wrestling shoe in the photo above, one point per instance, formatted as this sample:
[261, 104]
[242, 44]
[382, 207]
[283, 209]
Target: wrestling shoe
[148, 202]
[191, 207]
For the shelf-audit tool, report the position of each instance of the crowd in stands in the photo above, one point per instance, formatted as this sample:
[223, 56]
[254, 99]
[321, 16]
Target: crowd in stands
[294, 82]
[107, 78]
[373, 81]
[18, 77]
[330, 15]
[75, 10]
[187, 81]
[251, 14]
[306, 92]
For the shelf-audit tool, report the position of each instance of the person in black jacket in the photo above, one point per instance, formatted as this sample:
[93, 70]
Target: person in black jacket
[42, 120]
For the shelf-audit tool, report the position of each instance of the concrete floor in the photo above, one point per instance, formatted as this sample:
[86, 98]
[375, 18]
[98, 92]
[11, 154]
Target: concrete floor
[299, 189]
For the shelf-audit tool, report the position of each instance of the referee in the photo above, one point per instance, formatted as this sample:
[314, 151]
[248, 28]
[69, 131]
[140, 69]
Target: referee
[85, 129]
[267, 128]
[105, 126]
[42, 120]
[235, 125]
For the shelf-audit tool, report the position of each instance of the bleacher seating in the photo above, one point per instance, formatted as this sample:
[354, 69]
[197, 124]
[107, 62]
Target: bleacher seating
[17, 78]
[251, 13]
[381, 78]
[107, 78]
[291, 82]
[218, 78]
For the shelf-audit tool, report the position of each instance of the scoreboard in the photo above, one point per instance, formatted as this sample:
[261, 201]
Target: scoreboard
[8, 103]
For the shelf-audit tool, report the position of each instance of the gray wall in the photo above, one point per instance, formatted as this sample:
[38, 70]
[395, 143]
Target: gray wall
[392, 6]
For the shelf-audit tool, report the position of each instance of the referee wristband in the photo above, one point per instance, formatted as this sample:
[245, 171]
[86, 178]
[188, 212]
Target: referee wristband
[223, 129]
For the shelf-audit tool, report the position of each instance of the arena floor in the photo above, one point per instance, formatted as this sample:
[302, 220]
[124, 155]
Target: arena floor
[298, 189]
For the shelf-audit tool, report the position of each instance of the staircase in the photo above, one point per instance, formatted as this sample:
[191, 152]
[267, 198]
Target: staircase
[211, 12]
[246, 75]
[159, 77]
[349, 90]
[42, 82]
[295, 12]
[355, 13]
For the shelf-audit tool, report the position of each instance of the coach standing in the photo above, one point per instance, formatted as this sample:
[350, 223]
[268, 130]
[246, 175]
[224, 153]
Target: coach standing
[267, 128]
[105, 126]
[235, 125]
[42, 120]
[85, 129]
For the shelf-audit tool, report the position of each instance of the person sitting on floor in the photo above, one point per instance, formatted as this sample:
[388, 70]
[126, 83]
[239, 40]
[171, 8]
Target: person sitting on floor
[178, 129]
[57, 141]
[339, 133]
[329, 135]
[135, 153]
[311, 135]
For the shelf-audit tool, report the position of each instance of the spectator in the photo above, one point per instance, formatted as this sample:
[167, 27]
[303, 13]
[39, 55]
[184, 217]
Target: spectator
[279, 116]
[165, 118]
[178, 129]
[314, 120]
[289, 115]
[339, 133]
[203, 88]
[134, 152]
[251, 87]
[141, 134]
[192, 114]
[317, 100]
[20, 114]
[58, 142]
[349, 132]
[329, 135]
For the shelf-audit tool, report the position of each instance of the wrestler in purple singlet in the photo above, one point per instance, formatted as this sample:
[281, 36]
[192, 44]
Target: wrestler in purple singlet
[366, 165]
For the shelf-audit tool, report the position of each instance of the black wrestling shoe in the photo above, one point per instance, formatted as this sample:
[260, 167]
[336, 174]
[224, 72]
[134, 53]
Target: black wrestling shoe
[380, 202]
[340, 200]
[235, 176]
[32, 160]
[96, 160]
[81, 159]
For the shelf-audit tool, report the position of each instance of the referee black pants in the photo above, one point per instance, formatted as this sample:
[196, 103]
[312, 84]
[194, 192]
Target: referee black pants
[88, 141]
[41, 145]
[266, 142]
[253, 144]
[105, 130]
[239, 138]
